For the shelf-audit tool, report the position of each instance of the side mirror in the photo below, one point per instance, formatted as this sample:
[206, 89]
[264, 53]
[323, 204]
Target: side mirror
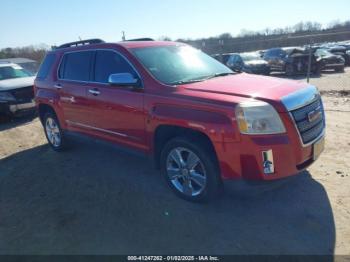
[122, 79]
[237, 67]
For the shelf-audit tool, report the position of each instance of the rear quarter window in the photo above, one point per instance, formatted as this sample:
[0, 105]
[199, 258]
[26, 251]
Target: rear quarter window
[46, 66]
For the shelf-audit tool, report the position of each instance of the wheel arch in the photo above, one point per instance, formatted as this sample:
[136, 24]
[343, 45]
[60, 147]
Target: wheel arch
[43, 109]
[164, 133]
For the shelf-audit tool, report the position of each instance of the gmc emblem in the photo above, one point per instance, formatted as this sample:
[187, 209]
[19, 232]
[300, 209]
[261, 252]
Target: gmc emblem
[314, 115]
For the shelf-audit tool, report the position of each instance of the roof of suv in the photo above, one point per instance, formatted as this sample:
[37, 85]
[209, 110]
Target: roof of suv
[125, 44]
[139, 44]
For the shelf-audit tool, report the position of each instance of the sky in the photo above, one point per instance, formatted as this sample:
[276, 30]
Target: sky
[53, 22]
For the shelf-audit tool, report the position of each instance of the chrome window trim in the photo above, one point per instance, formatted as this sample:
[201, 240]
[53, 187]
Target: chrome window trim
[95, 82]
[299, 99]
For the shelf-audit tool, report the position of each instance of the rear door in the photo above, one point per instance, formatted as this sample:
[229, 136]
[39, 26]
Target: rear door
[73, 76]
[115, 112]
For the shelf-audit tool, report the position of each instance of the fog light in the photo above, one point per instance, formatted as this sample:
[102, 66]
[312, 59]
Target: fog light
[268, 165]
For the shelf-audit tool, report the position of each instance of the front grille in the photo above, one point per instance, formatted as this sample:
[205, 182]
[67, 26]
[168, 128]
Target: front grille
[24, 94]
[309, 129]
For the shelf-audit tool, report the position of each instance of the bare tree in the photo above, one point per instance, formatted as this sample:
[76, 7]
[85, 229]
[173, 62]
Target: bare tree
[164, 38]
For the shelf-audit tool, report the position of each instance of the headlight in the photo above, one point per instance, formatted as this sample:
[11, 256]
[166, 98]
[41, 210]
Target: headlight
[257, 117]
[6, 96]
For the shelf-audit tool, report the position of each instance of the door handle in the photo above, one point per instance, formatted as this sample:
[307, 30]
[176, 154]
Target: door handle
[94, 91]
[58, 86]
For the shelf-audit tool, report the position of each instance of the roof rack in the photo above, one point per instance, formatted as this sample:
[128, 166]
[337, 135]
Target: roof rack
[140, 39]
[82, 42]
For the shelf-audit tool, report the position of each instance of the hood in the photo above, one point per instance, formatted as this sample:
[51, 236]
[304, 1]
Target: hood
[15, 83]
[332, 57]
[327, 56]
[269, 89]
[256, 62]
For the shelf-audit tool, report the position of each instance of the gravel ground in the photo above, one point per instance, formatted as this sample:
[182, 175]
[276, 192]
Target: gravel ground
[92, 200]
[327, 81]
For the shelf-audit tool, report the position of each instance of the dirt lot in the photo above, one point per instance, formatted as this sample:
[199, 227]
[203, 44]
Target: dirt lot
[95, 199]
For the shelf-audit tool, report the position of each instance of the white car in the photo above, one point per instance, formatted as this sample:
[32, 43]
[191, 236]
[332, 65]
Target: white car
[16, 89]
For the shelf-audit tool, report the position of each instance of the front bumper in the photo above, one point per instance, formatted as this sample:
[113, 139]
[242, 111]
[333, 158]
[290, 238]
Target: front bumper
[257, 70]
[333, 66]
[15, 108]
[245, 160]
[271, 157]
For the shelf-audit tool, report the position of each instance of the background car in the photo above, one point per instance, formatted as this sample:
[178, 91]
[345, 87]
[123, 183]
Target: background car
[328, 60]
[339, 50]
[16, 90]
[249, 63]
[222, 57]
[27, 64]
[291, 60]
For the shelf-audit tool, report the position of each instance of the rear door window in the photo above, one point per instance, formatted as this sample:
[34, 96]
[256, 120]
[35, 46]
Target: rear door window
[76, 66]
[109, 62]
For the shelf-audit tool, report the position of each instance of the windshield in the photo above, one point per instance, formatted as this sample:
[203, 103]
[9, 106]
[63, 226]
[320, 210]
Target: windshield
[9, 72]
[322, 52]
[179, 64]
[250, 57]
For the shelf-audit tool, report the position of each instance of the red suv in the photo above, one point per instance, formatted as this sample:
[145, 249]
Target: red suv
[202, 123]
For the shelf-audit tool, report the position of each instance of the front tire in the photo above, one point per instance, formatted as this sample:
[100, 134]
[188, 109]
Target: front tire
[53, 132]
[191, 170]
[339, 69]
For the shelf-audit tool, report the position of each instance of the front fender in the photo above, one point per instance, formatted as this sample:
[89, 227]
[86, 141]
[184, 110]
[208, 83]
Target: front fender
[216, 125]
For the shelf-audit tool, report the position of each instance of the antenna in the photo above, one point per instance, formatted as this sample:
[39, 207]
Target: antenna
[123, 35]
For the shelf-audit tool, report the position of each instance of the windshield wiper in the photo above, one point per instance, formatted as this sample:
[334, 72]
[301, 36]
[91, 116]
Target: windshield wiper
[181, 82]
[220, 74]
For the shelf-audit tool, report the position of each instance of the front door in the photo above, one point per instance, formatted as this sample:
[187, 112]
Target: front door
[115, 112]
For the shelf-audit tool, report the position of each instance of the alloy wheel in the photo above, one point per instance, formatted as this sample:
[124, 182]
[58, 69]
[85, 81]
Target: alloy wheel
[186, 171]
[53, 132]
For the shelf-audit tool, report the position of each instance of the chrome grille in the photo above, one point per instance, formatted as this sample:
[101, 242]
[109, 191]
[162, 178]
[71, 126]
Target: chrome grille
[309, 130]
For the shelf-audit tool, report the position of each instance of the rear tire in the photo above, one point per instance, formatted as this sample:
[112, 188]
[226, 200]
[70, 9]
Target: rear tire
[53, 132]
[289, 70]
[317, 70]
[191, 170]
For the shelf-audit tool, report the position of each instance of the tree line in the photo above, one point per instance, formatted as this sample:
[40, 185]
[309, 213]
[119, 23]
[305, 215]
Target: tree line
[36, 53]
[247, 40]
